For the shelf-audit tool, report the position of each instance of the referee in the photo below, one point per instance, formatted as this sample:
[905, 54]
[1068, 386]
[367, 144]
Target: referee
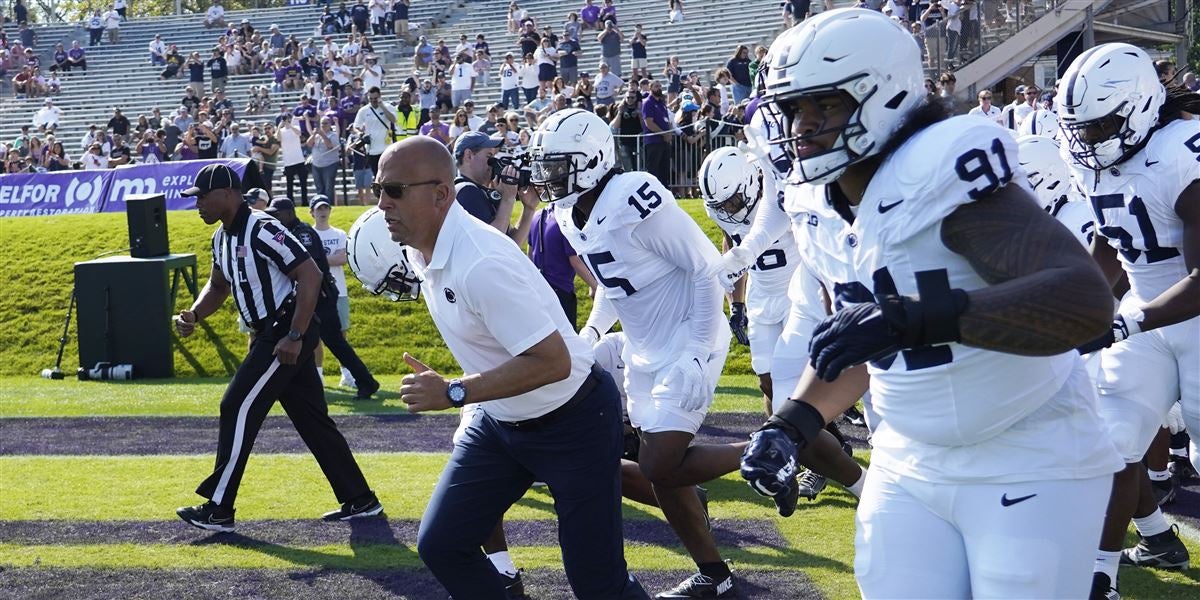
[547, 412]
[275, 284]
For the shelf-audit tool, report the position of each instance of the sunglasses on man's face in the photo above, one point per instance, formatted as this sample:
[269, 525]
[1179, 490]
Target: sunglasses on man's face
[395, 189]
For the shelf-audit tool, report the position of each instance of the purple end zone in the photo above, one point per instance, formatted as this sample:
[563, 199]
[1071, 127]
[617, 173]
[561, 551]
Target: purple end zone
[319, 583]
[111, 436]
[739, 533]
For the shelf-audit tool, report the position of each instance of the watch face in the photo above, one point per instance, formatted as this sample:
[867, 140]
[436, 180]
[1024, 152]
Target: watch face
[457, 392]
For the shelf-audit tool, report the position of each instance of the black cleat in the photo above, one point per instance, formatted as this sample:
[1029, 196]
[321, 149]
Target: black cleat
[513, 586]
[854, 417]
[810, 483]
[1181, 469]
[701, 586]
[1164, 491]
[367, 507]
[366, 390]
[1103, 588]
[208, 516]
[1162, 551]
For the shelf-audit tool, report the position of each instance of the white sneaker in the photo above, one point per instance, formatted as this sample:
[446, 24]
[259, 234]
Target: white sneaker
[347, 380]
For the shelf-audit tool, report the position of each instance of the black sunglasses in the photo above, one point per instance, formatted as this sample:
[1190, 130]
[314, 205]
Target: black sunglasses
[395, 189]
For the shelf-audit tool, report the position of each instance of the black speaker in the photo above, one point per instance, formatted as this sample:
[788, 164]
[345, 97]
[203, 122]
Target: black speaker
[147, 214]
[124, 314]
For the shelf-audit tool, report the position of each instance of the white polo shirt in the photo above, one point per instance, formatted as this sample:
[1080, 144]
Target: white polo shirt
[491, 304]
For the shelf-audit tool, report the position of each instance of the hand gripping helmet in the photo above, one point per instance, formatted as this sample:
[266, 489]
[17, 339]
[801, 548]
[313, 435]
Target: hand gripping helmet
[848, 52]
[1108, 104]
[730, 185]
[1040, 157]
[1039, 122]
[570, 153]
[378, 262]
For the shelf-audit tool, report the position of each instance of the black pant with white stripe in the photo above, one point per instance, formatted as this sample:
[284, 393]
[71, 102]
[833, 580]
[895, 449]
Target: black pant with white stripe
[259, 381]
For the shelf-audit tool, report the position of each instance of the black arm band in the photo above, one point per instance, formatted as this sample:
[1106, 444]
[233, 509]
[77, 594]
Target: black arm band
[933, 318]
[801, 422]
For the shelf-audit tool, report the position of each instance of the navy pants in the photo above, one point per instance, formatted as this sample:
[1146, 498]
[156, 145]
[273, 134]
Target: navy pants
[577, 455]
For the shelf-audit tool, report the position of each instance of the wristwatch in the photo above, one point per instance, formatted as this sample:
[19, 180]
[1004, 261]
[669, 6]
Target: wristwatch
[456, 392]
[295, 335]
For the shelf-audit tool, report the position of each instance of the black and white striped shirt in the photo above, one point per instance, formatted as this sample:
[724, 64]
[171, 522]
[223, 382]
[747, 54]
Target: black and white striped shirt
[255, 255]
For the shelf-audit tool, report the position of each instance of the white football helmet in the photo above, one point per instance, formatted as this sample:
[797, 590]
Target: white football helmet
[378, 262]
[570, 154]
[852, 54]
[1039, 122]
[1108, 104]
[730, 184]
[1042, 161]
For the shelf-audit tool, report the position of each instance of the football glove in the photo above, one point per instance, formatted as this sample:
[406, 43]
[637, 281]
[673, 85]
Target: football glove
[591, 334]
[769, 462]
[1121, 329]
[738, 322]
[732, 266]
[684, 382]
[1174, 420]
[870, 331]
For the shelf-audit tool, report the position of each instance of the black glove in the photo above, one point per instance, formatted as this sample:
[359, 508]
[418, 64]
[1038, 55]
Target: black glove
[769, 462]
[1118, 332]
[870, 331]
[738, 322]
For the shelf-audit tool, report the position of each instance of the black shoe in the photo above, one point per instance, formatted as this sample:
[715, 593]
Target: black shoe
[854, 417]
[1181, 469]
[368, 507]
[1164, 491]
[366, 390]
[1103, 588]
[702, 586]
[810, 483]
[1163, 551]
[513, 586]
[208, 516]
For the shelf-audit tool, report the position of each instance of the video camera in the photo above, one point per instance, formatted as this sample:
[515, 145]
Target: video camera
[516, 158]
[105, 371]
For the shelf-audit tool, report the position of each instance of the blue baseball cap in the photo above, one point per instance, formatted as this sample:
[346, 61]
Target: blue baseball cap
[474, 140]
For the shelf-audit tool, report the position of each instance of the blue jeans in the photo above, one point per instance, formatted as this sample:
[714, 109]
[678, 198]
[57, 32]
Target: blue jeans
[577, 455]
[323, 180]
[511, 98]
[740, 92]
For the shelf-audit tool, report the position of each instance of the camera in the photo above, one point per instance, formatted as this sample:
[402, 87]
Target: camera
[361, 144]
[517, 159]
[104, 371]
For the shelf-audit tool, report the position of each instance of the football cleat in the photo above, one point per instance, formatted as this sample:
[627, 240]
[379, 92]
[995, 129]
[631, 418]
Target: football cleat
[208, 516]
[810, 484]
[1162, 551]
[1164, 491]
[1181, 469]
[1103, 588]
[701, 586]
[854, 417]
[514, 588]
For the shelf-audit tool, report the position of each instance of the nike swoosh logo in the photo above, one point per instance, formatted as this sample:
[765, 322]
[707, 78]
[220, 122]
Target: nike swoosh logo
[886, 207]
[600, 220]
[1151, 162]
[1005, 501]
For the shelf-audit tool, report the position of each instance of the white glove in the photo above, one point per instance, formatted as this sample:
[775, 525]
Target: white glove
[1174, 419]
[732, 266]
[685, 383]
[591, 334]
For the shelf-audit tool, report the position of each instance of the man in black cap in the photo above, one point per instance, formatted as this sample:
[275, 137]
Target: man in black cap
[326, 311]
[275, 285]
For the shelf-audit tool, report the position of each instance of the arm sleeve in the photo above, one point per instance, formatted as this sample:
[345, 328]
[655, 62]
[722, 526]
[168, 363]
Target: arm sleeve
[672, 234]
[604, 314]
[770, 222]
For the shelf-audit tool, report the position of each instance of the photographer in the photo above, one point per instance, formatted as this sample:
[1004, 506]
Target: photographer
[378, 121]
[491, 202]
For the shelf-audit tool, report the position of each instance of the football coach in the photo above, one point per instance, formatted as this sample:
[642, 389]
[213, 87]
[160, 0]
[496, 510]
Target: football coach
[548, 414]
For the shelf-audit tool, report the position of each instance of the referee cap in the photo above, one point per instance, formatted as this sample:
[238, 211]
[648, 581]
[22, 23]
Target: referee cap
[213, 177]
[281, 203]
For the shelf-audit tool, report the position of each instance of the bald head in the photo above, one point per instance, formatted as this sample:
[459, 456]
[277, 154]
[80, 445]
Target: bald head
[417, 158]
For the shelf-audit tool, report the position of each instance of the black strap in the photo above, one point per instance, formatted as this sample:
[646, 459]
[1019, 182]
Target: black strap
[391, 128]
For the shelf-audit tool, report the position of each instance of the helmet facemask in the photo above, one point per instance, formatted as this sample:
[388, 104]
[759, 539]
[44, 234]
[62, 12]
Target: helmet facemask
[734, 209]
[849, 147]
[399, 285]
[1103, 142]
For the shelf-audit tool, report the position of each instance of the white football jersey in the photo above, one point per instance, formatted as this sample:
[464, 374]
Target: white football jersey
[769, 277]
[1134, 205]
[1076, 215]
[938, 405]
[652, 294]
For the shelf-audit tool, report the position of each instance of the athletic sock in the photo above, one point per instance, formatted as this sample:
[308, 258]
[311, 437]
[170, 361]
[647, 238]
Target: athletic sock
[503, 563]
[1152, 524]
[1158, 475]
[716, 571]
[1107, 563]
[857, 487]
[1179, 452]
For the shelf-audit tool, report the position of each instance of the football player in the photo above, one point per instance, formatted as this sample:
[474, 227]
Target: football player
[732, 184]
[1039, 122]
[959, 304]
[1138, 163]
[1040, 158]
[654, 267]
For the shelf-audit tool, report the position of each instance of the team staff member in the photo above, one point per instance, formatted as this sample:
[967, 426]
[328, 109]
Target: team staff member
[276, 291]
[483, 194]
[327, 310]
[548, 414]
